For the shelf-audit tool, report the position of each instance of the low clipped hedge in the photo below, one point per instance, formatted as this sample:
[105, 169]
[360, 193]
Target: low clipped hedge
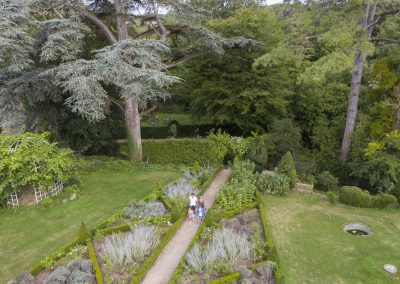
[56, 255]
[96, 267]
[180, 151]
[355, 196]
[272, 251]
[228, 279]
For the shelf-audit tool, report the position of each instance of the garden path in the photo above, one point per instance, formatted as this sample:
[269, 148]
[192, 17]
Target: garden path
[168, 260]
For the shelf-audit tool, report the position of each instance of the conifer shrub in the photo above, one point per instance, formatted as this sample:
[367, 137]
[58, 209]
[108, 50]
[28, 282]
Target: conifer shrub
[258, 153]
[286, 166]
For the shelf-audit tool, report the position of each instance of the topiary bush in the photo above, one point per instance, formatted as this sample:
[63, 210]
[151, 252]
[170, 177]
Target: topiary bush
[332, 197]
[355, 196]
[286, 166]
[326, 181]
[384, 200]
[258, 153]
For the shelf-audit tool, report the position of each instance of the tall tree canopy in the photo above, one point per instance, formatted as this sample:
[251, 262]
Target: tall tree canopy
[47, 55]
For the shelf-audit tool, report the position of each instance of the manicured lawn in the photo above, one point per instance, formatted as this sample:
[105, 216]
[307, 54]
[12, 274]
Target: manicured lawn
[29, 234]
[313, 248]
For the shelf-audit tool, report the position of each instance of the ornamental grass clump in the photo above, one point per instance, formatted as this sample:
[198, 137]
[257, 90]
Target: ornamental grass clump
[227, 247]
[139, 209]
[132, 247]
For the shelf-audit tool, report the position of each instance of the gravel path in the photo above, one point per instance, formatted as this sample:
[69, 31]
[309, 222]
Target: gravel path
[165, 265]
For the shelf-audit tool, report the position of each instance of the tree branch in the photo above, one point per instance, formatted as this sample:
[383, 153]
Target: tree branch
[101, 25]
[389, 40]
[382, 16]
[146, 112]
[117, 103]
[183, 60]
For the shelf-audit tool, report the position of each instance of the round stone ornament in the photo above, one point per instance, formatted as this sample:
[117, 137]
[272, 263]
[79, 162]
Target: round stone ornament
[390, 268]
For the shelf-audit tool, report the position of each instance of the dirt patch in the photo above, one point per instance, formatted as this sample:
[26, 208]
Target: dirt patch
[27, 196]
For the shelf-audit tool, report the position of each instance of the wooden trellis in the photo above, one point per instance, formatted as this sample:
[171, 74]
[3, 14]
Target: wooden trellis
[14, 199]
[55, 190]
[39, 195]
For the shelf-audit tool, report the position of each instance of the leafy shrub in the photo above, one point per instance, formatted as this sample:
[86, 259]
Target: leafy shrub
[181, 151]
[326, 181]
[384, 200]
[76, 271]
[226, 247]
[286, 166]
[278, 184]
[30, 159]
[332, 197]
[354, 196]
[228, 147]
[129, 248]
[47, 202]
[138, 209]
[239, 191]
[257, 152]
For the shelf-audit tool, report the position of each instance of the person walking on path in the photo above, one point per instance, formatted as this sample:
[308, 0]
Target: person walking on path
[192, 201]
[201, 201]
[202, 211]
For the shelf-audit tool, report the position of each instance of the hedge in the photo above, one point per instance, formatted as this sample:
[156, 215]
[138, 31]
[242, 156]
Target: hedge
[272, 252]
[228, 214]
[180, 151]
[96, 268]
[355, 196]
[228, 279]
[56, 255]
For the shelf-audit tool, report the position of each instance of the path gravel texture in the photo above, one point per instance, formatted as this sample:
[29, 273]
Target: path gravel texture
[168, 260]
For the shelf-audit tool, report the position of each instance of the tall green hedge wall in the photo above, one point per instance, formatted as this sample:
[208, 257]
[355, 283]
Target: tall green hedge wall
[180, 151]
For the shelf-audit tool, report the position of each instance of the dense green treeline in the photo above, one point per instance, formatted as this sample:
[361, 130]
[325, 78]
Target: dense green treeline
[303, 72]
[296, 83]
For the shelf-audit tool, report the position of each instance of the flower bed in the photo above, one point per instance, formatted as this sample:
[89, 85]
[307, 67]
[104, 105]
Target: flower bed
[232, 246]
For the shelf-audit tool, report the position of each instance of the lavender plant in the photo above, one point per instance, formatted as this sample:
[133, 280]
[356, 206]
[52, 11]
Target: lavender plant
[179, 192]
[226, 247]
[138, 209]
[131, 247]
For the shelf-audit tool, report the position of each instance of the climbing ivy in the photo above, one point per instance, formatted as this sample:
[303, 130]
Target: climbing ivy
[30, 159]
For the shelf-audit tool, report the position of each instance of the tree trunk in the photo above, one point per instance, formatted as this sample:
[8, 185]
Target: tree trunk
[132, 120]
[356, 77]
[396, 122]
[131, 112]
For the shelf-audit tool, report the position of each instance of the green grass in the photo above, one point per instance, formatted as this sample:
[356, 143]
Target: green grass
[313, 248]
[30, 233]
[163, 119]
